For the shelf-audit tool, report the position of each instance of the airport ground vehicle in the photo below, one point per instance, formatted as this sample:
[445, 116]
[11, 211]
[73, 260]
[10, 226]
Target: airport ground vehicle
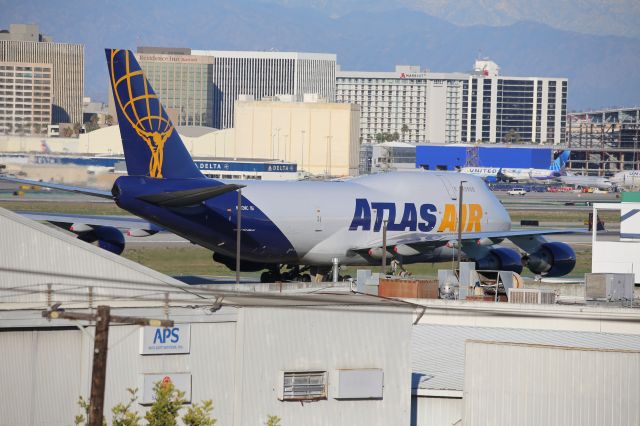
[517, 191]
[414, 213]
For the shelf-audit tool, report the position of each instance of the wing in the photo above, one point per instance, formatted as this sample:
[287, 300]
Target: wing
[421, 241]
[69, 188]
[120, 222]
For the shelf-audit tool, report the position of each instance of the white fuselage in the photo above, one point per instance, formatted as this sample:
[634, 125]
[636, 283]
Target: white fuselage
[319, 217]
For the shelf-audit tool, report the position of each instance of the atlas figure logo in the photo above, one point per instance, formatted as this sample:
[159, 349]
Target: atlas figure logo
[144, 113]
[421, 218]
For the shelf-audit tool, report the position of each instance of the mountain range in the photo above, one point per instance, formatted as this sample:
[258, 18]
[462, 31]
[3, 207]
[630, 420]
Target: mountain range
[602, 69]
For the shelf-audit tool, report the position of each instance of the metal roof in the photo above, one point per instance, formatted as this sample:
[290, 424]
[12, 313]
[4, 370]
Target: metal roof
[438, 350]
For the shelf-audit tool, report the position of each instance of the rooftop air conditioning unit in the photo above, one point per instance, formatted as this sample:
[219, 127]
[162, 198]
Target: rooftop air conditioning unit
[532, 296]
[609, 286]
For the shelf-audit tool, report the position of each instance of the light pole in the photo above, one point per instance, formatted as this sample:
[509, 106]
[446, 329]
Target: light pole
[278, 132]
[460, 225]
[302, 153]
[384, 246]
[238, 231]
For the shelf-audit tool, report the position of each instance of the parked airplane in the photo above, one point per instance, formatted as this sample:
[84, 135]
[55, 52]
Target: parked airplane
[496, 174]
[626, 179]
[302, 224]
[587, 181]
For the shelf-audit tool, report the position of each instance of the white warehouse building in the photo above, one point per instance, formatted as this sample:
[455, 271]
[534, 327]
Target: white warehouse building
[309, 359]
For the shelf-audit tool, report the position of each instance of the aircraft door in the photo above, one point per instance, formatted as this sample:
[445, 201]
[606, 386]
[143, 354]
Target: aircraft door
[318, 221]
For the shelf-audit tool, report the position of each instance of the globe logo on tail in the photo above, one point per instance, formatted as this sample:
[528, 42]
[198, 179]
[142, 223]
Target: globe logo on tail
[143, 111]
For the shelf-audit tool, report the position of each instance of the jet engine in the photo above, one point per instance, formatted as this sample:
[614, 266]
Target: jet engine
[106, 237]
[552, 259]
[502, 259]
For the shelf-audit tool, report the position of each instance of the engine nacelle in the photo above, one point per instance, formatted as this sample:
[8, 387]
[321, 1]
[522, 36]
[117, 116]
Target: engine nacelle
[106, 237]
[500, 259]
[553, 259]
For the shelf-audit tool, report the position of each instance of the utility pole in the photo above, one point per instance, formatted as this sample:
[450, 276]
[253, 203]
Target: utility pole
[103, 319]
[460, 225]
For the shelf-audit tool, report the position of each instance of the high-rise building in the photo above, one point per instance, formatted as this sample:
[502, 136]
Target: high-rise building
[266, 75]
[24, 44]
[514, 109]
[391, 102]
[182, 81]
[425, 107]
[25, 97]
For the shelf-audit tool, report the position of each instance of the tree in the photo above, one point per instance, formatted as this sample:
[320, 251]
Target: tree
[122, 414]
[66, 132]
[92, 124]
[273, 421]
[395, 136]
[168, 401]
[512, 136]
[404, 129]
[199, 414]
[76, 128]
[379, 137]
[108, 119]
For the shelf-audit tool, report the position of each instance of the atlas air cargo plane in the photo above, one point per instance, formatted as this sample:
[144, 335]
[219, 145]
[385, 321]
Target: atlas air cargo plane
[290, 227]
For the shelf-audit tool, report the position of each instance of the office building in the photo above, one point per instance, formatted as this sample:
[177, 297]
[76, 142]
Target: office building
[512, 109]
[267, 74]
[25, 97]
[25, 45]
[423, 107]
[182, 81]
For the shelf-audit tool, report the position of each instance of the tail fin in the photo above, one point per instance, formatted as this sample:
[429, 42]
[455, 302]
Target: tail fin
[559, 163]
[152, 146]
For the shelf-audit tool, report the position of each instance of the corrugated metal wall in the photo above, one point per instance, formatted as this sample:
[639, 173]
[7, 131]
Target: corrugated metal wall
[235, 364]
[40, 377]
[520, 384]
[436, 411]
[324, 339]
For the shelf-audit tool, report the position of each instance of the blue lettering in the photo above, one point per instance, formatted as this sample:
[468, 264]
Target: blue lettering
[362, 216]
[380, 208]
[166, 333]
[175, 333]
[429, 218]
[409, 219]
[158, 336]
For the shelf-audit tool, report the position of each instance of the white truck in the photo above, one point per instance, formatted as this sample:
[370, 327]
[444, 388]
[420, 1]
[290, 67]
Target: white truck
[517, 191]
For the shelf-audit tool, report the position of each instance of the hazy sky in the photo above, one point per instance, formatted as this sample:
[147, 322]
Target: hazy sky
[441, 35]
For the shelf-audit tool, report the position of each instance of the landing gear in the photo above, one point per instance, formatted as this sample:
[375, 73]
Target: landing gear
[293, 273]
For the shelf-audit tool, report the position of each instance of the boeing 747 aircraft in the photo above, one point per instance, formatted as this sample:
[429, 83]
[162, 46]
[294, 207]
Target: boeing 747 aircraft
[328, 219]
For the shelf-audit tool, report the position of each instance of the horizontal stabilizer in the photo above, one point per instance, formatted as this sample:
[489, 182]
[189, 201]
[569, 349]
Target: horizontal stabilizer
[188, 197]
